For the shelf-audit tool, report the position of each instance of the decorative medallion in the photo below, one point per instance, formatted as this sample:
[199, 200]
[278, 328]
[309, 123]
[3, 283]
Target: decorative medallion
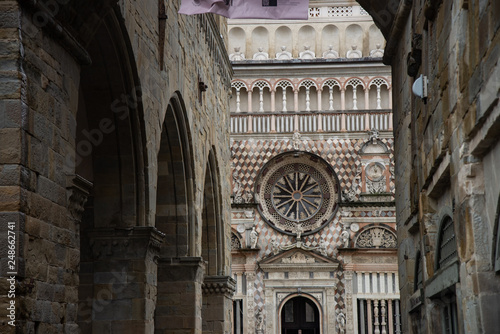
[375, 171]
[297, 191]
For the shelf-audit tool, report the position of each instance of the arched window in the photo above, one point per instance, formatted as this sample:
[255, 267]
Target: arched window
[447, 246]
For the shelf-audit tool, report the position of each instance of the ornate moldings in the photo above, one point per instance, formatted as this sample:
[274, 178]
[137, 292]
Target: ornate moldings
[299, 260]
[77, 190]
[125, 243]
[297, 193]
[219, 285]
[376, 237]
[235, 242]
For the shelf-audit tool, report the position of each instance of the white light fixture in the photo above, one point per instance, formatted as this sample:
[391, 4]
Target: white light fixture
[420, 87]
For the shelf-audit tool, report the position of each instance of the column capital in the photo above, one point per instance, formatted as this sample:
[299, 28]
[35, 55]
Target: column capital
[219, 285]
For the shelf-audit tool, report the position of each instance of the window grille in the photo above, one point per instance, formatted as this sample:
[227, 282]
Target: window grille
[447, 247]
[339, 11]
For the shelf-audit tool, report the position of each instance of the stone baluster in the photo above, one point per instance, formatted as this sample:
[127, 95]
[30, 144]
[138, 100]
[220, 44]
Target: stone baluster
[376, 321]
[308, 99]
[330, 99]
[238, 101]
[354, 97]
[261, 99]
[390, 316]
[383, 314]
[284, 99]
[379, 99]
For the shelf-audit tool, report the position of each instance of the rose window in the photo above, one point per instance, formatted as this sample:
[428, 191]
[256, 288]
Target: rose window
[297, 196]
[297, 192]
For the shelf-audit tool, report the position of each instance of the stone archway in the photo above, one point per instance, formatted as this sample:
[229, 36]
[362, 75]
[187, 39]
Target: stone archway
[300, 315]
[217, 288]
[179, 272]
[116, 248]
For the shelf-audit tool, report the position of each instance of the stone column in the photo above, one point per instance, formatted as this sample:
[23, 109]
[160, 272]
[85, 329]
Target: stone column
[217, 304]
[367, 98]
[318, 94]
[342, 99]
[296, 100]
[118, 280]
[179, 303]
[249, 101]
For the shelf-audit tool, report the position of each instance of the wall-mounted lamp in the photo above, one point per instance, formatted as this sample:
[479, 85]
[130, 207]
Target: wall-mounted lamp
[420, 87]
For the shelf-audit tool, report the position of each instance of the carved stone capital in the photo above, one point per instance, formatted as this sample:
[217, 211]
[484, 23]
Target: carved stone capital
[77, 193]
[125, 243]
[219, 285]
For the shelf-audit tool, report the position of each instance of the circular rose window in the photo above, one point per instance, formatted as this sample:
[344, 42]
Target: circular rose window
[297, 192]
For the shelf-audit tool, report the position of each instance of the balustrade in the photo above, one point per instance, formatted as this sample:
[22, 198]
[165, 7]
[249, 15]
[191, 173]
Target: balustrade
[323, 121]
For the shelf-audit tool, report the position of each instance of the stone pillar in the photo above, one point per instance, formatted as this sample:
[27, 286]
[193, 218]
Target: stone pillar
[218, 304]
[249, 101]
[342, 99]
[318, 92]
[296, 100]
[367, 98]
[349, 302]
[118, 280]
[179, 303]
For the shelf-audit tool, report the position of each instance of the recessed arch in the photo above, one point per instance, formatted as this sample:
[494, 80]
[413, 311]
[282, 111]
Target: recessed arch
[212, 229]
[175, 194]
[292, 304]
[260, 39]
[307, 38]
[283, 37]
[109, 145]
[446, 248]
[237, 39]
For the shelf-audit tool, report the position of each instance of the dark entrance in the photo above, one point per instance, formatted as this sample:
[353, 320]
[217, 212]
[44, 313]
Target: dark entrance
[299, 316]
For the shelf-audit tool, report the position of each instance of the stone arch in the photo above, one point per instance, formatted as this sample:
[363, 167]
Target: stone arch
[379, 93]
[446, 246]
[239, 97]
[295, 296]
[261, 95]
[307, 95]
[331, 96]
[285, 101]
[175, 196]
[109, 153]
[212, 234]
[354, 96]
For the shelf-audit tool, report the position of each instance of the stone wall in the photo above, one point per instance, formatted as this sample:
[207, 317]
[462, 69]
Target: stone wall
[445, 154]
[84, 95]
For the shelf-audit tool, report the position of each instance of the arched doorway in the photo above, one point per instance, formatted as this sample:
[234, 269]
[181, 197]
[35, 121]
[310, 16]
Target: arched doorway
[300, 315]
